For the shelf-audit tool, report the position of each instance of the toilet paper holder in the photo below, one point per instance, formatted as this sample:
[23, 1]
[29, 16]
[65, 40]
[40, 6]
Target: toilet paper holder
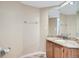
[4, 51]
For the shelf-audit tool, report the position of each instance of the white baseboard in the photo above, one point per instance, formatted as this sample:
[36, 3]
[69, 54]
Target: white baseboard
[32, 54]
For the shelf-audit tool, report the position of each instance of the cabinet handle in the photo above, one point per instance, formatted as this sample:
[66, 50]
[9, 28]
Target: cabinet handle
[63, 49]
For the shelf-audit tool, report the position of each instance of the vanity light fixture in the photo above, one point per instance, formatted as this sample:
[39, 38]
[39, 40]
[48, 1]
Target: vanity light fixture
[71, 3]
[64, 4]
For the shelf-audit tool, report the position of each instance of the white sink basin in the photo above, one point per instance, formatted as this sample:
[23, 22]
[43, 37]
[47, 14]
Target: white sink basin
[60, 41]
[70, 43]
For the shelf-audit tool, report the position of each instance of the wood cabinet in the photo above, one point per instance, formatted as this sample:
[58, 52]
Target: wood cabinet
[58, 51]
[54, 50]
[49, 49]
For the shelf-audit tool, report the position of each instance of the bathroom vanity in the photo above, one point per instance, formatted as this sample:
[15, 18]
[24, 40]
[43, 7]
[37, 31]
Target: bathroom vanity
[65, 24]
[59, 48]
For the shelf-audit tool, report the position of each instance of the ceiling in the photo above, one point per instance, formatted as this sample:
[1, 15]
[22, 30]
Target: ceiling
[66, 10]
[42, 4]
[70, 9]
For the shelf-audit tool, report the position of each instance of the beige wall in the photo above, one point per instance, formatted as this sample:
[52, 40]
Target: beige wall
[14, 33]
[31, 30]
[52, 24]
[43, 27]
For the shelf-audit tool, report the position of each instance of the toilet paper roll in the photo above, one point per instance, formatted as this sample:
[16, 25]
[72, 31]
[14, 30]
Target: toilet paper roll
[3, 51]
[7, 50]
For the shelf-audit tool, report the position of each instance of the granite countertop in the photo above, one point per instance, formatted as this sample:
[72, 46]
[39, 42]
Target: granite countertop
[66, 43]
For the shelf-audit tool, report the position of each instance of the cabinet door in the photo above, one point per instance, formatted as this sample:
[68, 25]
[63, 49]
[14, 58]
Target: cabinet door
[71, 53]
[58, 51]
[49, 49]
[65, 55]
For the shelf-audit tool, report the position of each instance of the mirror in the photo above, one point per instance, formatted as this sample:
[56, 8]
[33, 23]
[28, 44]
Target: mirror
[63, 20]
[52, 26]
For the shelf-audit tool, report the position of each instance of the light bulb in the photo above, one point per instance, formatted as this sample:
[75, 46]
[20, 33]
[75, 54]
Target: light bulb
[71, 3]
